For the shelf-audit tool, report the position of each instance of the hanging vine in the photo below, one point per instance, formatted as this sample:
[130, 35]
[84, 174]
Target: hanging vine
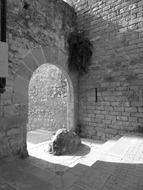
[80, 52]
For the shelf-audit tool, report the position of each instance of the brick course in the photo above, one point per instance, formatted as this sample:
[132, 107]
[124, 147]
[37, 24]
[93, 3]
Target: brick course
[115, 29]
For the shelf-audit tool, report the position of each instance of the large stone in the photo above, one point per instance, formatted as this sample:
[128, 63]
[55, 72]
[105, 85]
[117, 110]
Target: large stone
[63, 142]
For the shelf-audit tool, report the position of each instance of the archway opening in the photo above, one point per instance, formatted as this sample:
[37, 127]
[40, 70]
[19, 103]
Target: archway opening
[50, 100]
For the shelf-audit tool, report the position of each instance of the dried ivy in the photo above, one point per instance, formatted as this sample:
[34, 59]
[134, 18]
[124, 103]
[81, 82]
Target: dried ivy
[80, 52]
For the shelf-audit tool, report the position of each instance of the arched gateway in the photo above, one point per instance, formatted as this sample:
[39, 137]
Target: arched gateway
[30, 62]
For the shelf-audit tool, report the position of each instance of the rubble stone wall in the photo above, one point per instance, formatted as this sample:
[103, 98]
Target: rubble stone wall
[36, 34]
[47, 99]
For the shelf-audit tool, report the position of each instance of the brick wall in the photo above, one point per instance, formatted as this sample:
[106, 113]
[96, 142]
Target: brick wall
[111, 94]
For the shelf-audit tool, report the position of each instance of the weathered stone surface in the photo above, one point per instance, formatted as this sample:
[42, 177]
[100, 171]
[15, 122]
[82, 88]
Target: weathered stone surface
[113, 86]
[45, 23]
[47, 99]
[63, 142]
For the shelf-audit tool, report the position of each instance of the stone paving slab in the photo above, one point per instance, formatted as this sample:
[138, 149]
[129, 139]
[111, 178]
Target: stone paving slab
[111, 176]
[5, 186]
[79, 169]
[129, 149]
[85, 154]
[122, 146]
[31, 173]
[31, 178]
[31, 182]
[64, 181]
[120, 169]
[95, 176]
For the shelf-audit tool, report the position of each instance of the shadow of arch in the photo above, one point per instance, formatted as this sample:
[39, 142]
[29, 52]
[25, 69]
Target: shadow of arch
[30, 62]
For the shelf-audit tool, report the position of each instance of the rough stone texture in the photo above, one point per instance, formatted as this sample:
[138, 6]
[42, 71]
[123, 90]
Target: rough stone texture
[35, 36]
[64, 141]
[111, 94]
[47, 99]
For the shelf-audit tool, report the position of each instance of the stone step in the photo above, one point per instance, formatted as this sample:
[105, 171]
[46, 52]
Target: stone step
[87, 173]
[116, 169]
[97, 151]
[69, 177]
[32, 173]
[78, 169]
[81, 172]
[110, 175]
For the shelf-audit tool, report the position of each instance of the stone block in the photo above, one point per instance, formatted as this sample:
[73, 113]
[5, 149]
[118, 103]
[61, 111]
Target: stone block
[24, 72]
[30, 62]
[126, 113]
[20, 90]
[122, 118]
[100, 116]
[110, 117]
[137, 115]
[121, 109]
[107, 121]
[2, 134]
[115, 113]
[13, 131]
[108, 108]
[140, 109]
[111, 131]
[38, 53]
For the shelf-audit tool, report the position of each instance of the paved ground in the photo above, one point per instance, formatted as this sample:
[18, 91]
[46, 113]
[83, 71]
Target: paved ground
[114, 165]
[86, 152]
[39, 136]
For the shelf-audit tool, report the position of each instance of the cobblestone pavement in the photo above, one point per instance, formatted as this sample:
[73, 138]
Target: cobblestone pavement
[114, 165]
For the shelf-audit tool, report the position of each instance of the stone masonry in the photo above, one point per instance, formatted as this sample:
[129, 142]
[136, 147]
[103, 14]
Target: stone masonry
[36, 34]
[111, 94]
[47, 99]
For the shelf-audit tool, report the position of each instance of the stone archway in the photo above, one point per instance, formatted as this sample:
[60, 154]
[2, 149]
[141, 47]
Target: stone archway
[31, 61]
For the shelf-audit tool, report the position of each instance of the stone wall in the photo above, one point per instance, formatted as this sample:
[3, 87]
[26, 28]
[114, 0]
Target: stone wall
[47, 99]
[36, 34]
[111, 94]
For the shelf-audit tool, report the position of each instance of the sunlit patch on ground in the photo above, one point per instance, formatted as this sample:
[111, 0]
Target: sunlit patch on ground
[37, 142]
[115, 164]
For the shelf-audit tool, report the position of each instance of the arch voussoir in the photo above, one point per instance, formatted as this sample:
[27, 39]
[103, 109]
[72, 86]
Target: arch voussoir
[39, 56]
[30, 62]
[24, 72]
[51, 54]
[62, 60]
[47, 54]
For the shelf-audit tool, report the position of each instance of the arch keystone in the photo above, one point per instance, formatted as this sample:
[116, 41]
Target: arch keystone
[51, 54]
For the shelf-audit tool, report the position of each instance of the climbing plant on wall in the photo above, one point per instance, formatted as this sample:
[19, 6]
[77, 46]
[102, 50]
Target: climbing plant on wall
[80, 52]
